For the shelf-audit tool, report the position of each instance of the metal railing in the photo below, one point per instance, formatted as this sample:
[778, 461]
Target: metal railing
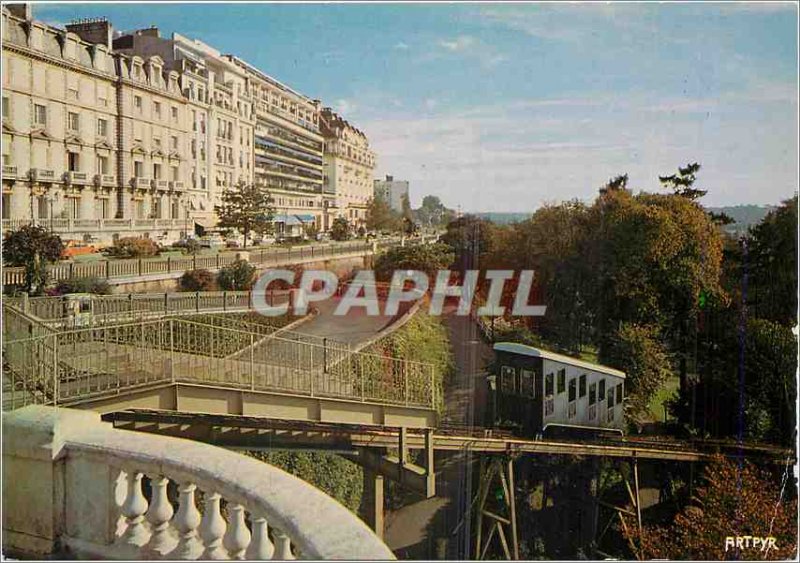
[75, 365]
[138, 267]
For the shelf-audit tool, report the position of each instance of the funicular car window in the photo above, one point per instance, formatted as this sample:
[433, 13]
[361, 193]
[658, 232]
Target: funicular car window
[619, 393]
[582, 386]
[562, 380]
[611, 397]
[592, 393]
[526, 383]
[573, 386]
[548, 385]
[601, 393]
[507, 379]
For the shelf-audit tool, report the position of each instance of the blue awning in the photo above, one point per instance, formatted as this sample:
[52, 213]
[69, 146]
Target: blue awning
[306, 218]
[287, 220]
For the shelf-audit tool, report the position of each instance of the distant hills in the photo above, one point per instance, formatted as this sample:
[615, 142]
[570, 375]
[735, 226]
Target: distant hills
[744, 216]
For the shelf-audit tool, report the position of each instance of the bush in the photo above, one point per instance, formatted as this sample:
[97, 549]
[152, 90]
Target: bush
[197, 280]
[340, 229]
[83, 285]
[238, 276]
[133, 247]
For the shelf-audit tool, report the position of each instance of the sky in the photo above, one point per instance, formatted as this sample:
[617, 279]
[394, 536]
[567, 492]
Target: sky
[505, 107]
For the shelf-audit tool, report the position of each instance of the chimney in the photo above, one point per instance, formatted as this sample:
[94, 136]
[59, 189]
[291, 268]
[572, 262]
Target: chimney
[389, 178]
[96, 31]
[21, 10]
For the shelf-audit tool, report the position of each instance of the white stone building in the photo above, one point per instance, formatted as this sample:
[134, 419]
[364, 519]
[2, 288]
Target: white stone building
[392, 191]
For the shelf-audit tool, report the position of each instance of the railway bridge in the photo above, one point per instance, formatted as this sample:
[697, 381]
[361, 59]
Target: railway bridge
[245, 386]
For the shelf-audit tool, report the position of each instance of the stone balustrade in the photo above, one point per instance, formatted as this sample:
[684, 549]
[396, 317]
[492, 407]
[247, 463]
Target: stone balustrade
[75, 487]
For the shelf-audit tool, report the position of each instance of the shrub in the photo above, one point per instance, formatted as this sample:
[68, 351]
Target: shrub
[197, 280]
[83, 285]
[240, 275]
[133, 247]
[340, 229]
[32, 247]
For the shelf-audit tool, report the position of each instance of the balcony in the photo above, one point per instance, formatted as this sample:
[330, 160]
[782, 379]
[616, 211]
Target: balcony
[42, 175]
[105, 180]
[160, 184]
[140, 183]
[73, 487]
[9, 172]
[76, 178]
[176, 185]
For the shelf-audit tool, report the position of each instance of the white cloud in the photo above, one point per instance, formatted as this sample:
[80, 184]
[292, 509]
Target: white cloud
[401, 46]
[345, 106]
[460, 43]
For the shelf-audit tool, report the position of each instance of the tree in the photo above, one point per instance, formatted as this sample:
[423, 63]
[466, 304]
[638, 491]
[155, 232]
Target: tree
[428, 258]
[737, 499]
[470, 237]
[32, 247]
[197, 280]
[83, 285]
[381, 217]
[247, 208]
[638, 351]
[432, 212]
[237, 276]
[409, 227]
[772, 265]
[682, 183]
[133, 247]
[340, 229]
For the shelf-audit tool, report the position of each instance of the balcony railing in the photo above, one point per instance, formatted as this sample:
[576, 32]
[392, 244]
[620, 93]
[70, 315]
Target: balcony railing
[160, 184]
[176, 185]
[9, 172]
[141, 183]
[43, 175]
[104, 510]
[76, 178]
[105, 180]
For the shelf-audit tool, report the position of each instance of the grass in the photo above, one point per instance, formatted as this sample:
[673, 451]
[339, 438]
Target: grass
[668, 391]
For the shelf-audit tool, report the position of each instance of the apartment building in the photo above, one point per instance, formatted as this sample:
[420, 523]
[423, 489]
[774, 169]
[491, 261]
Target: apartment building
[288, 149]
[93, 141]
[392, 191]
[348, 164]
[221, 114]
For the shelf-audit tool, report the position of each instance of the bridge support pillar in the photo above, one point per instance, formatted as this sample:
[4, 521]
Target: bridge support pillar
[373, 501]
[496, 507]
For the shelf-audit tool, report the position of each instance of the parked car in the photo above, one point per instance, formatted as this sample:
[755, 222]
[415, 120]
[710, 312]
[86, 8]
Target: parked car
[233, 243]
[212, 241]
[74, 248]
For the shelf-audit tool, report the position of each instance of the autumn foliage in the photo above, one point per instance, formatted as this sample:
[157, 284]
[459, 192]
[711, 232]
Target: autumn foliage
[735, 500]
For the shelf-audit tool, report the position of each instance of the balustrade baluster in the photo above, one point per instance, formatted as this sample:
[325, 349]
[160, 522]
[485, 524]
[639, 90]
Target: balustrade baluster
[133, 509]
[186, 521]
[159, 515]
[237, 538]
[260, 548]
[283, 547]
[212, 529]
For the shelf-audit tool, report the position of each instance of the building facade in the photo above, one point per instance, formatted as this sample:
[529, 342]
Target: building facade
[109, 135]
[348, 164]
[392, 191]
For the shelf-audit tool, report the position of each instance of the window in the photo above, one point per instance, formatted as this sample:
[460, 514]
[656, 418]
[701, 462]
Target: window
[592, 393]
[157, 109]
[619, 393]
[174, 176]
[39, 115]
[102, 128]
[601, 395]
[73, 207]
[6, 204]
[138, 168]
[5, 107]
[173, 143]
[562, 380]
[572, 389]
[174, 113]
[73, 121]
[507, 376]
[102, 164]
[73, 162]
[137, 103]
[102, 101]
[611, 398]
[582, 385]
[155, 212]
[548, 385]
[526, 383]
[156, 171]
[42, 207]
